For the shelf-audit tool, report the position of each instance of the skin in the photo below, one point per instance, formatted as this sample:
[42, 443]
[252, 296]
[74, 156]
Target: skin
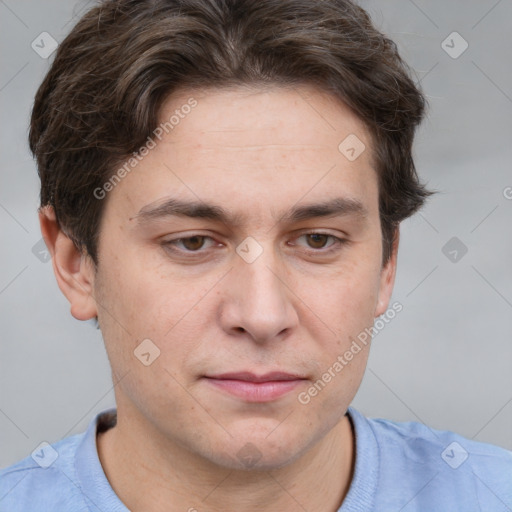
[257, 153]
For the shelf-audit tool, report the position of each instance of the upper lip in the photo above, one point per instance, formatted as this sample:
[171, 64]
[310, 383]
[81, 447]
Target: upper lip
[251, 377]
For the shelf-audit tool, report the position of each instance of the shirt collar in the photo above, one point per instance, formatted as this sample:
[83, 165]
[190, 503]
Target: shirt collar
[100, 495]
[92, 479]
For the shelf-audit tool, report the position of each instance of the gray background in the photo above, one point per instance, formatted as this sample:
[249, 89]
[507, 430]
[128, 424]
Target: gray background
[445, 360]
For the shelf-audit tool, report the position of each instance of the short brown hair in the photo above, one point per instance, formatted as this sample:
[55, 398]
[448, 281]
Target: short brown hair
[101, 97]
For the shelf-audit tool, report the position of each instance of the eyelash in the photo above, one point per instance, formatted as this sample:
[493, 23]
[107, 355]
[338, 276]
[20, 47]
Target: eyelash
[338, 243]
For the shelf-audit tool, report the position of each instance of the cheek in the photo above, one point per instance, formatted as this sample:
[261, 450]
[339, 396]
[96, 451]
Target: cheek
[347, 305]
[345, 301]
[145, 293]
[155, 301]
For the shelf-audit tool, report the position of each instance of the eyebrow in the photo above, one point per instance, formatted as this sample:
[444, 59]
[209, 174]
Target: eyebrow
[340, 206]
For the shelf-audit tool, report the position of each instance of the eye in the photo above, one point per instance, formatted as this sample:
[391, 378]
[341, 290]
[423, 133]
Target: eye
[190, 244]
[317, 244]
[318, 240]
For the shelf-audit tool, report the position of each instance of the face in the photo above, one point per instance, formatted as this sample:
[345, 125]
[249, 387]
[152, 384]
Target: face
[245, 248]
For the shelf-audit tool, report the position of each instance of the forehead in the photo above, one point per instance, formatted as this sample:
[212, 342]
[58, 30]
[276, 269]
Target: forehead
[295, 118]
[255, 150]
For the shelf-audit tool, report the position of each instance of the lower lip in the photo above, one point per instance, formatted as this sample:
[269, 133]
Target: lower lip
[256, 391]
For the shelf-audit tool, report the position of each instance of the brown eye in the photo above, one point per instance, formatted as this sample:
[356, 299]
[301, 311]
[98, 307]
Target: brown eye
[317, 243]
[319, 240]
[190, 244]
[193, 243]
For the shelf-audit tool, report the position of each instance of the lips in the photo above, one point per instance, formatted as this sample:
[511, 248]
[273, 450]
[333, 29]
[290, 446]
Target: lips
[256, 388]
[251, 377]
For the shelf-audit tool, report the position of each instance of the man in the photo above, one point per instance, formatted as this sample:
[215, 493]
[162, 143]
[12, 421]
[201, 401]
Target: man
[222, 183]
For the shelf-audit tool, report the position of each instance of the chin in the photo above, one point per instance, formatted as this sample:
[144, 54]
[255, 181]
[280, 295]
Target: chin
[251, 459]
[260, 453]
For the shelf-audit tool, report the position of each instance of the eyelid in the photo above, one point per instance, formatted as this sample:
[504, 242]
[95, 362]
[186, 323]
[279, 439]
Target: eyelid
[338, 242]
[172, 242]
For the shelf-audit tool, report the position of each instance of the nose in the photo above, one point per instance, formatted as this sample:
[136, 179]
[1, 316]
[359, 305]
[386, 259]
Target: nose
[258, 299]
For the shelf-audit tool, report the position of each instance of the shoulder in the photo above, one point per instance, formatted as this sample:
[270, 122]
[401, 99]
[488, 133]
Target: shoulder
[441, 466]
[418, 441]
[44, 480]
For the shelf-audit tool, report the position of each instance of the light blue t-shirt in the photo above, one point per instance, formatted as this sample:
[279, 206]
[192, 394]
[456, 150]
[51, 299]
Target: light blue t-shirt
[399, 467]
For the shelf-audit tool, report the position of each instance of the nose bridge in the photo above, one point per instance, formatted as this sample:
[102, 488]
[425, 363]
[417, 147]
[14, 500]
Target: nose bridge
[261, 276]
[259, 302]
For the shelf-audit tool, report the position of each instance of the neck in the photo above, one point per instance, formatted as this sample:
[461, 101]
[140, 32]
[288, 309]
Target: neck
[174, 479]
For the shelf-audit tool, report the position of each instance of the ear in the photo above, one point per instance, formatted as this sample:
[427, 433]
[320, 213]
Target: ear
[73, 269]
[387, 277]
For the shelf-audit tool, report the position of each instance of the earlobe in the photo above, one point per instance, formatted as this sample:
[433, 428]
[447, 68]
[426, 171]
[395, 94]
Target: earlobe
[73, 270]
[387, 278]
